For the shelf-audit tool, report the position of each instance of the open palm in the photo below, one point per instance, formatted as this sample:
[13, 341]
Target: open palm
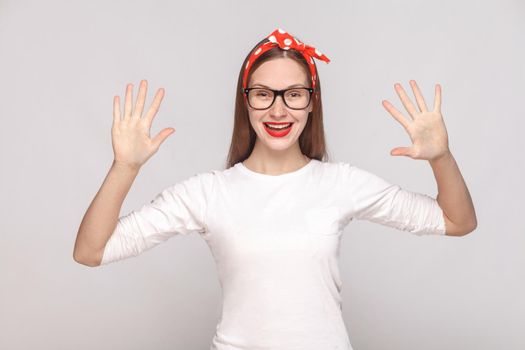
[132, 144]
[426, 128]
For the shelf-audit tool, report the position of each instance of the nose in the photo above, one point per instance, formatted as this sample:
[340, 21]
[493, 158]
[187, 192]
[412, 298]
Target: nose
[278, 108]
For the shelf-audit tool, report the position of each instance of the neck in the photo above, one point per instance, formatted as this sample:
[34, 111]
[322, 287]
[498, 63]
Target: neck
[275, 162]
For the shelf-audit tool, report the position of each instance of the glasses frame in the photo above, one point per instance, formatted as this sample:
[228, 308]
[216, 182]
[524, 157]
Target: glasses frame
[279, 93]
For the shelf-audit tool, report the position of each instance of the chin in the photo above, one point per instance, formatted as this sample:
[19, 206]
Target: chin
[277, 144]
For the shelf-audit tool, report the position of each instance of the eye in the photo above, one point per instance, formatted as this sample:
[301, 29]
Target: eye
[261, 93]
[295, 93]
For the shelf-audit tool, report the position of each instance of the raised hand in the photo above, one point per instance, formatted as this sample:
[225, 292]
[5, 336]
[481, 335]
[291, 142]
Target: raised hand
[132, 145]
[426, 128]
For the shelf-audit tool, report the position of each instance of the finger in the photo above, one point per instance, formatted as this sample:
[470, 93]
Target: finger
[437, 99]
[116, 110]
[396, 114]
[419, 97]
[139, 106]
[402, 151]
[405, 100]
[128, 102]
[152, 111]
[162, 136]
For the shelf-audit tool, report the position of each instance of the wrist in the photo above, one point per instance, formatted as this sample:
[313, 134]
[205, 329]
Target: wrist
[445, 156]
[125, 166]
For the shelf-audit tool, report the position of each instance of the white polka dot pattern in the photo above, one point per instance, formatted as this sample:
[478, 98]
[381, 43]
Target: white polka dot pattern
[285, 41]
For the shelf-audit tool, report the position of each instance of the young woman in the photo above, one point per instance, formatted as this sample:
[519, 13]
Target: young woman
[273, 218]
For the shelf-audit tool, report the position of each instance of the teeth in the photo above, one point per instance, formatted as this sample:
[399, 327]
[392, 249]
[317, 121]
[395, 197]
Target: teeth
[274, 126]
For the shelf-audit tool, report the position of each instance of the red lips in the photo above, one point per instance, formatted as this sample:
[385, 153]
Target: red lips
[277, 133]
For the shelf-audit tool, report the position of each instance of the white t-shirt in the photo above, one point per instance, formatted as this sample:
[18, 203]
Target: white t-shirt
[275, 241]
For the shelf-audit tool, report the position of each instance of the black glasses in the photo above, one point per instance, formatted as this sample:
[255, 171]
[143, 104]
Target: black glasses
[294, 98]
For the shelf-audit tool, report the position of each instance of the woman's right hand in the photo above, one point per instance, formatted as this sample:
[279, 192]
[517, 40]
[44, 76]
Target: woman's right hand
[132, 145]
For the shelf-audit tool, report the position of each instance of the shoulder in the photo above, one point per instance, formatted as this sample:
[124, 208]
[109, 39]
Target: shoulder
[208, 177]
[347, 174]
[337, 169]
[198, 184]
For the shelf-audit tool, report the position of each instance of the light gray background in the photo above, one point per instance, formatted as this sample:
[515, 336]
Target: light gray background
[61, 63]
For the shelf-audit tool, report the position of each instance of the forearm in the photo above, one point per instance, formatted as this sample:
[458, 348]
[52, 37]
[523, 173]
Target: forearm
[453, 195]
[102, 215]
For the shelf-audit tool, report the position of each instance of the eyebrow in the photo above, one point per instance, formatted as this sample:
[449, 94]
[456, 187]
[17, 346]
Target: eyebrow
[291, 86]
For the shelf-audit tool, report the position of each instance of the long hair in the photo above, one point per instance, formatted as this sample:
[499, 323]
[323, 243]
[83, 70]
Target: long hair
[311, 141]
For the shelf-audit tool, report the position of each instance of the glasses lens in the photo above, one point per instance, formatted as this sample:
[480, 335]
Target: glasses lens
[260, 98]
[297, 98]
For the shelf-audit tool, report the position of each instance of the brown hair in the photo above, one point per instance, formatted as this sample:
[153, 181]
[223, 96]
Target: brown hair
[311, 141]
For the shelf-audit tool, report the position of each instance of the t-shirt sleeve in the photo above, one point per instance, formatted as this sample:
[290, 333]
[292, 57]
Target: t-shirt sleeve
[374, 199]
[178, 209]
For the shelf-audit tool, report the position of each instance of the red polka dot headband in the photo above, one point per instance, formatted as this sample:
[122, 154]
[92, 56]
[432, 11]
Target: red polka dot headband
[285, 41]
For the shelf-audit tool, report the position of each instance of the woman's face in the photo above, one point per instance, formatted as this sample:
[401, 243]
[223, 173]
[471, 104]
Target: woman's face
[279, 74]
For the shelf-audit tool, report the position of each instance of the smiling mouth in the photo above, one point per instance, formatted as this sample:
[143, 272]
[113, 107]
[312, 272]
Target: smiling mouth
[278, 126]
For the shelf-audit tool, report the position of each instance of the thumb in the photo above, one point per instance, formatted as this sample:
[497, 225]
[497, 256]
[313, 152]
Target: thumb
[162, 136]
[401, 151]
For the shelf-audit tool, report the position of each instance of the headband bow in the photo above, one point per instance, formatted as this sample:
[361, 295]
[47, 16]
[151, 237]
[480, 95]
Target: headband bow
[285, 41]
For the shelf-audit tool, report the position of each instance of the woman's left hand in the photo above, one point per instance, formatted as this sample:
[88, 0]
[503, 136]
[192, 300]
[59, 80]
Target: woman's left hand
[426, 128]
